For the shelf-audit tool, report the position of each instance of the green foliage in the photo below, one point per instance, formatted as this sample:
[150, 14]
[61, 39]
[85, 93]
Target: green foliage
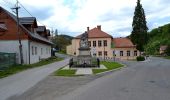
[140, 58]
[167, 51]
[139, 28]
[61, 41]
[157, 37]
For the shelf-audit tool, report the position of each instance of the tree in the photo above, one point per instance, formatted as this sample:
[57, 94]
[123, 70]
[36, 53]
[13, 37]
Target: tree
[167, 51]
[56, 32]
[139, 28]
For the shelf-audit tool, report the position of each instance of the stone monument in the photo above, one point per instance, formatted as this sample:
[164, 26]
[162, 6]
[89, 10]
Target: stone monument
[84, 59]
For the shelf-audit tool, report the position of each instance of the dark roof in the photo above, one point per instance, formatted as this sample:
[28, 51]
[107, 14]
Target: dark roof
[122, 43]
[41, 29]
[27, 20]
[96, 33]
[32, 35]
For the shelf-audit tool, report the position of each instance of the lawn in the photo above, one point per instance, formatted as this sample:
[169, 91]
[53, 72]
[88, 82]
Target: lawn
[168, 57]
[64, 72]
[17, 68]
[108, 65]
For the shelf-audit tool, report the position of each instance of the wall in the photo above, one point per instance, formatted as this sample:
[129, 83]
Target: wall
[12, 46]
[43, 51]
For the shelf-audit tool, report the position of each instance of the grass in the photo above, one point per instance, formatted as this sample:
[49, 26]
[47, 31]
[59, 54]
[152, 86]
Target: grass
[168, 57]
[18, 68]
[108, 65]
[64, 72]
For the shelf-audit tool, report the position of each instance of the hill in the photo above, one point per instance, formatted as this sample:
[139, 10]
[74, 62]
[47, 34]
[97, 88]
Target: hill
[61, 41]
[157, 37]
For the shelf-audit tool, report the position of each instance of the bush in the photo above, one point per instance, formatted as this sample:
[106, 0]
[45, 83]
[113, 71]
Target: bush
[140, 58]
[167, 51]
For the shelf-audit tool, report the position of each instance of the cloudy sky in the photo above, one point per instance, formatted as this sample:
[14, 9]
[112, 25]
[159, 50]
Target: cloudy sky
[73, 16]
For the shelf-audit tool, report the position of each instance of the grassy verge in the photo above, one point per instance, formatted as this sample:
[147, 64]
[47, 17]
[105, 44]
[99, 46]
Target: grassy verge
[168, 57]
[17, 68]
[108, 65]
[64, 72]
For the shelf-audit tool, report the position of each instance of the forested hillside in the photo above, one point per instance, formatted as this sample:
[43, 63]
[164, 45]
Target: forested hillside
[158, 36]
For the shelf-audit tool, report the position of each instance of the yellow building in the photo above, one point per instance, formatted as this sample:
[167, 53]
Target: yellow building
[105, 46]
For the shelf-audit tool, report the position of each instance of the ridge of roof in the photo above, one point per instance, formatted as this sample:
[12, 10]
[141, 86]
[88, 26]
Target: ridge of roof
[96, 33]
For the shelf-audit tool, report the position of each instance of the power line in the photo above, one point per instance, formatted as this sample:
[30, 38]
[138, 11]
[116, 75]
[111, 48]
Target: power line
[8, 3]
[29, 13]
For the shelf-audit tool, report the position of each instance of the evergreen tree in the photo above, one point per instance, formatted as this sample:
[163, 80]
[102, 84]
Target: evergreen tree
[139, 28]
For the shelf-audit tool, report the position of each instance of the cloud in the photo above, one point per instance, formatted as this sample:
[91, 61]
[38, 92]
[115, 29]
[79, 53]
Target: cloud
[73, 16]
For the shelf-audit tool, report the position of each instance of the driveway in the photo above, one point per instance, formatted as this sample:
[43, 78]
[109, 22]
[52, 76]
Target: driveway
[19, 83]
[148, 80]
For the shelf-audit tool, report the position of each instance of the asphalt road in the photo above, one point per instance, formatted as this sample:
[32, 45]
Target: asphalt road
[19, 83]
[138, 81]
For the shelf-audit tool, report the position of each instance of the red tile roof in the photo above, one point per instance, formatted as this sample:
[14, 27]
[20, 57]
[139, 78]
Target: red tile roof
[96, 33]
[122, 43]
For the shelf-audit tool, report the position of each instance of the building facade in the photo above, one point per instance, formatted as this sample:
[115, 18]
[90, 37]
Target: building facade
[104, 46]
[34, 38]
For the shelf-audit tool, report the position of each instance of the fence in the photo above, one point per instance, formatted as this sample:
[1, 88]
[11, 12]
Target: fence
[7, 59]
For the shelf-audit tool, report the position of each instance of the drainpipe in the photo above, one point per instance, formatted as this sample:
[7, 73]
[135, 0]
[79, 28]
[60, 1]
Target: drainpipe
[29, 50]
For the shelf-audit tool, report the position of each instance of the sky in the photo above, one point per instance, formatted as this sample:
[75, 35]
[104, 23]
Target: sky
[72, 17]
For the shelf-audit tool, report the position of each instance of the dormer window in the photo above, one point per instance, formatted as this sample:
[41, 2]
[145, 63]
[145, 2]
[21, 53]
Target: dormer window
[2, 27]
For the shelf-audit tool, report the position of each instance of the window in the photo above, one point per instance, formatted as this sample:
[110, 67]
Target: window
[32, 50]
[135, 53]
[94, 43]
[121, 53]
[100, 53]
[128, 53]
[105, 53]
[94, 54]
[89, 43]
[41, 51]
[99, 43]
[105, 42]
[35, 50]
[49, 51]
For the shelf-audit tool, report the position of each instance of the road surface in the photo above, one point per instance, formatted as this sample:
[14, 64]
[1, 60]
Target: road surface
[19, 83]
[148, 80]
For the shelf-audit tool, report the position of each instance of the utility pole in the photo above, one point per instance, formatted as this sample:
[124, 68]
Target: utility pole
[18, 33]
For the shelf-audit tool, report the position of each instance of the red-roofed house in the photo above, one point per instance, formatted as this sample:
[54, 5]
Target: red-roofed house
[34, 40]
[105, 46]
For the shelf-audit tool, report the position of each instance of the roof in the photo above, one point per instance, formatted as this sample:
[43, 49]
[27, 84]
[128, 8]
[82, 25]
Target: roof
[96, 33]
[27, 20]
[122, 43]
[163, 47]
[32, 35]
[41, 29]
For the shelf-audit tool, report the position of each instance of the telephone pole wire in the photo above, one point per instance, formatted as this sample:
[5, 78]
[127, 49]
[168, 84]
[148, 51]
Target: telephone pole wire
[18, 33]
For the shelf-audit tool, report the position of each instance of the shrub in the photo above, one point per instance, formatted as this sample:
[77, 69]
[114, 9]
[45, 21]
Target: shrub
[140, 58]
[167, 51]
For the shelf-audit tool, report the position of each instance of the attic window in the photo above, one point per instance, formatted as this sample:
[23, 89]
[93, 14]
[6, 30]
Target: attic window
[3, 26]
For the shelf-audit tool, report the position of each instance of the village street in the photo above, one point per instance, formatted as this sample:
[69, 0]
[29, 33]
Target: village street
[148, 80]
[19, 83]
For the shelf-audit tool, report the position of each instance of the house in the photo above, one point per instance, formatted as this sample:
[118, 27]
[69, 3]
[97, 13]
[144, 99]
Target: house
[162, 49]
[105, 46]
[34, 38]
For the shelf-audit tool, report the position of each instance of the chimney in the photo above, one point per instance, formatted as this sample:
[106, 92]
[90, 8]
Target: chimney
[99, 27]
[88, 29]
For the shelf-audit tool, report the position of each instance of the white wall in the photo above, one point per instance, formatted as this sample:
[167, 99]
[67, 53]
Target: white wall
[12, 46]
[41, 54]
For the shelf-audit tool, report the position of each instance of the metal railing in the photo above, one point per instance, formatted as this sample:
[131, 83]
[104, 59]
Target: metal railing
[7, 59]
